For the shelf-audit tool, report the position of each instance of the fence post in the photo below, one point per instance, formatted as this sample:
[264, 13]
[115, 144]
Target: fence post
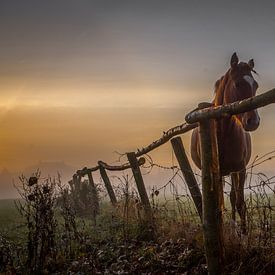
[187, 173]
[94, 196]
[71, 184]
[78, 177]
[75, 181]
[211, 189]
[76, 191]
[140, 184]
[108, 184]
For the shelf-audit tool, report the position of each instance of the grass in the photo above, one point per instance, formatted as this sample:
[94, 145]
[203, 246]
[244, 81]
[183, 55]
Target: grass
[8, 211]
[11, 222]
[118, 243]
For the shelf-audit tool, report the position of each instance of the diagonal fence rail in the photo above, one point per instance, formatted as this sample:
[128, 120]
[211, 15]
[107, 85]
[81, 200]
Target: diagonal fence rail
[209, 208]
[203, 112]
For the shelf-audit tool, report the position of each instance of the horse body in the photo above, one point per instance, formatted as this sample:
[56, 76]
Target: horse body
[234, 141]
[234, 145]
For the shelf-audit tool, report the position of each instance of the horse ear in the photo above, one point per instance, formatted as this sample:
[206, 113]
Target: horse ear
[234, 60]
[251, 63]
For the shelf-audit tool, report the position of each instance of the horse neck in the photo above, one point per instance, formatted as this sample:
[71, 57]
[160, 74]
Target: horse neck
[225, 124]
[220, 87]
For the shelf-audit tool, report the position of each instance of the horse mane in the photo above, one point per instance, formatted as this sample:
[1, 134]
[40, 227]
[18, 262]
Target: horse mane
[219, 89]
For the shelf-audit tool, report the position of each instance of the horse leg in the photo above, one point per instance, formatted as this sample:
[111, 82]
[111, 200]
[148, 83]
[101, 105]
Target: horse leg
[234, 183]
[221, 195]
[240, 201]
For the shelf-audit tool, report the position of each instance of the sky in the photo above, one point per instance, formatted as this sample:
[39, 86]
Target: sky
[80, 80]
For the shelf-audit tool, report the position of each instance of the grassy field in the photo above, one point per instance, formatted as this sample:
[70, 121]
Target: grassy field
[117, 242]
[8, 211]
[11, 222]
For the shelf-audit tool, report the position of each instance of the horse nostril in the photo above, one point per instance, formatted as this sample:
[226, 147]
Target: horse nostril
[251, 124]
[248, 121]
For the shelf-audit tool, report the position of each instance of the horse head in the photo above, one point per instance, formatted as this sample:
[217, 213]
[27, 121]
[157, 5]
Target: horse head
[238, 84]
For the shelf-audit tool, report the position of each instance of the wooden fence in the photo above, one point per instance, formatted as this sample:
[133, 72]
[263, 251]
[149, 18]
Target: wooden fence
[208, 208]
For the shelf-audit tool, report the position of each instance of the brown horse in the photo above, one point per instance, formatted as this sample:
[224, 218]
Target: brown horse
[234, 142]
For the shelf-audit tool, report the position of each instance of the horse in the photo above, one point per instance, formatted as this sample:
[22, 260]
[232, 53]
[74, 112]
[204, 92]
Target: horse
[233, 138]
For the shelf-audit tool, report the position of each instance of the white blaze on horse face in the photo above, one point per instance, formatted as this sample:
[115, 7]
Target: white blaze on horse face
[249, 79]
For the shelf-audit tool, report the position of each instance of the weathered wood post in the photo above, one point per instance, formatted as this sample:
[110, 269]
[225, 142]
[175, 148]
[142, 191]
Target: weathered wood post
[187, 173]
[78, 178]
[212, 183]
[211, 189]
[71, 184]
[107, 184]
[140, 185]
[76, 191]
[75, 181]
[94, 195]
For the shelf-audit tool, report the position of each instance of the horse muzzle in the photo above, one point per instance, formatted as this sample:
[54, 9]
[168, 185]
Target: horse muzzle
[251, 123]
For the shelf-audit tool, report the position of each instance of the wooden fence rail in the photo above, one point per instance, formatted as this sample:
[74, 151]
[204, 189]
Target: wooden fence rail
[192, 118]
[175, 131]
[233, 108]
[209, 206]
[211, 178]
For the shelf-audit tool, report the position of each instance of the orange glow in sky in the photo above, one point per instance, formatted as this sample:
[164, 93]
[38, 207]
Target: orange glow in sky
[82, 79]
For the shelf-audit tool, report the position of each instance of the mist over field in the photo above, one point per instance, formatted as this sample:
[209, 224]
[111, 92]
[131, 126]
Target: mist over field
[93, 177]
[103, 77]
